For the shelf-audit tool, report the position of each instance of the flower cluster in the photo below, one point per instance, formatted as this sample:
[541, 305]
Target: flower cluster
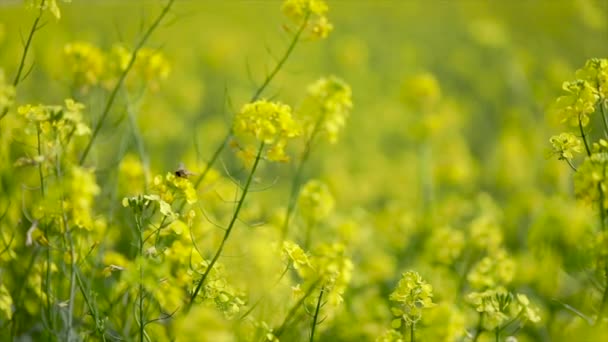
[590, 178]
[411, 297]
[499, 308]
[270, 123]
[86, 62]
[328, 266]
[313, 12]
[90, 66]
[316, 201]
[491, 271]
[46, 5]
[575, 107]
[219, 292]
[326, 108]
[62, 121]
[172, 187]
[566, 145]
[445, 245]
[595, 72]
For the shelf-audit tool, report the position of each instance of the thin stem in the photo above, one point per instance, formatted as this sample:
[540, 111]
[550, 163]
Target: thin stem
[604, 119]
[497, 334]
[297, 179]
[600, 314]
[412, 336]
[256, 95]
[583, 136]
[40, 175]
[262, 296]
[230, 226]
[316, 316]
[295, 308]
[121, 80]
[26, 49]
[479, 328]
[570, 164]
[142, 332]
[282, 61]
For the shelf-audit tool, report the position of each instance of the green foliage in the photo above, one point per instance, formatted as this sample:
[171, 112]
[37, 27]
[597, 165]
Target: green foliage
[303, 170]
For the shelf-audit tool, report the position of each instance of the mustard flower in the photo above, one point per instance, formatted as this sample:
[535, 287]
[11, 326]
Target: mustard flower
[592, 173]
[411, 297]
[56, 121]
[296, 255]
[595, 72]
[499, 307]
[86, 62]
[152, 65]
[334, 268]
[491, 271]
[47, 5]
[315, 201]
[326, 107]
[311, 11]
[268, 122]
[566, 145]
[578, 104]
[171, 187]
[445, 245]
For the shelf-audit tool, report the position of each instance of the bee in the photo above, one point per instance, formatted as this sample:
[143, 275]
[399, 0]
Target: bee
[182, 172]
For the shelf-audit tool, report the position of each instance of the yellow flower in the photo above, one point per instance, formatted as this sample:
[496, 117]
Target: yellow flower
[269, 122]
[327, 107]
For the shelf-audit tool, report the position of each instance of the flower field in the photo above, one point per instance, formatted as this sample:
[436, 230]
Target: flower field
[304, 170]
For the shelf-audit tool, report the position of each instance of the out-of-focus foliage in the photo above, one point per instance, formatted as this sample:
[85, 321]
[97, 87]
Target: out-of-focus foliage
[352, 170]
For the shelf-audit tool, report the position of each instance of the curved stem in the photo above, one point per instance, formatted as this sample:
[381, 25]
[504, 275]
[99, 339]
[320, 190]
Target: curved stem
[256, 95]
[295, 308]
[230, 227]
[283, 59]
[121, 80]
[26, 49]
[316, 316]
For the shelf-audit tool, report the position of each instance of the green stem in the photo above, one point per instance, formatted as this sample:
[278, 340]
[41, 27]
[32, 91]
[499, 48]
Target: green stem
[297, 179]
[583, 136]
[412, 336]
[600, 314]
[230, 226]
[142, 332]
[605, 120]
[292, 311]
[479, 328]
[497, 334]
[17, 296]
[256, 95]
[316, 316]
[121, 80]
[26, 49]
[40, 175]
[282, 61]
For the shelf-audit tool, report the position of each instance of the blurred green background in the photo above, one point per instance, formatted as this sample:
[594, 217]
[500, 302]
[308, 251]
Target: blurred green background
[396, 173]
